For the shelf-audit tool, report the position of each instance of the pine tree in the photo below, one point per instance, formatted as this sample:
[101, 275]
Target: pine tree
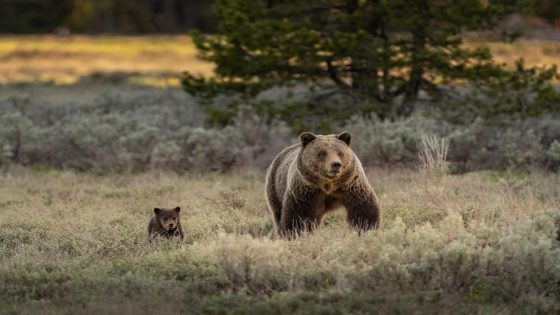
[386, 51]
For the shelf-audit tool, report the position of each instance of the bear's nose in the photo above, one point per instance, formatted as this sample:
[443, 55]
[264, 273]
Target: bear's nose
[335, 166]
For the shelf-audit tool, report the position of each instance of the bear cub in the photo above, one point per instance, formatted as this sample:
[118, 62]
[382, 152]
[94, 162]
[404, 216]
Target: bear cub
[165, 223]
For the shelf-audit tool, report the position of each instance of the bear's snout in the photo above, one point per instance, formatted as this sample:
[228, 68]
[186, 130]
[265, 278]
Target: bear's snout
[335, 166]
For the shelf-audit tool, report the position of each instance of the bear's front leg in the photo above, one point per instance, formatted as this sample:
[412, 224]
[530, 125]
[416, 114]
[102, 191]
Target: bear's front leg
[363, 208]
[298, 216]
[181, 234]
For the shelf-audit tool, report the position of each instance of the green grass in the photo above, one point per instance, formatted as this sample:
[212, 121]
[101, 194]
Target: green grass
[77, 243]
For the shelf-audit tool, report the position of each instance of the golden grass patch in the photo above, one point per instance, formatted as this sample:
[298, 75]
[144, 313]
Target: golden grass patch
[159, 60]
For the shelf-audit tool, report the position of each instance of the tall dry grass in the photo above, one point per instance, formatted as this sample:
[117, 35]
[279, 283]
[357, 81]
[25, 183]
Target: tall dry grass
[432, 152]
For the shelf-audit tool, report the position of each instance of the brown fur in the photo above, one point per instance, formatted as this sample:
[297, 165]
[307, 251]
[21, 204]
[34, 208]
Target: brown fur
[301, 185]
[165, 223]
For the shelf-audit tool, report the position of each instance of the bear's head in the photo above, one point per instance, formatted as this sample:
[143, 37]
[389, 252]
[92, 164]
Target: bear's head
[327, 157]
[168, 218]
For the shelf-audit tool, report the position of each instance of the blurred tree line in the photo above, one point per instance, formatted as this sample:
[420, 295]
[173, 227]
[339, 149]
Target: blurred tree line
[105, 16]
[138, 16]
[549, 10]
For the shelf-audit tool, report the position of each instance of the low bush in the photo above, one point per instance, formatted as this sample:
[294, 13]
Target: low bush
[476, 243]
[518, 144]
[132, 135]
[166, 129]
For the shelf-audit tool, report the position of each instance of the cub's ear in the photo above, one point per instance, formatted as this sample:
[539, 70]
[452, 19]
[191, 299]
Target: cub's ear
[177, 209]
[346, 137]
[306, 137]
[157, 210]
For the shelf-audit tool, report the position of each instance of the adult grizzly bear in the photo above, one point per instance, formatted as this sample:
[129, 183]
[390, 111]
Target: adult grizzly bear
[320, 174]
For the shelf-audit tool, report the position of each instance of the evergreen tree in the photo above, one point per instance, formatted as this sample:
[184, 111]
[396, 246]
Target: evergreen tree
[385, 51]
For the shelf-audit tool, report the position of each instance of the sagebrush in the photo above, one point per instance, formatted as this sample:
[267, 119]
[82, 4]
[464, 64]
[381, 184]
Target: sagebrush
[76, 243]
[137, 129]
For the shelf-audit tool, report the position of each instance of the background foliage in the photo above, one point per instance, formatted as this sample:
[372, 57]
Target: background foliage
[130, 128]
[105, 16]
[136, 16]
[380, 56]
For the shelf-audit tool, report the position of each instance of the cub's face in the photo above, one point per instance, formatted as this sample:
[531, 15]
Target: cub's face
[168, 218]
[329, 156]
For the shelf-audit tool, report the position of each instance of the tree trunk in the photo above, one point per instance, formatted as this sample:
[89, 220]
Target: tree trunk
[169, 16]
[416, 73]
[365, 79]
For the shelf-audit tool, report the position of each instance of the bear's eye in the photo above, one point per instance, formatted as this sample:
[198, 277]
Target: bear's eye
[340, 154]
[321, 154]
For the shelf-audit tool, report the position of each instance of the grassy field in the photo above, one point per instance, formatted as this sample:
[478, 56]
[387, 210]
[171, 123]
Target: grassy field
[158, 60]
[77, 243]
[146, 59]
[534, 52]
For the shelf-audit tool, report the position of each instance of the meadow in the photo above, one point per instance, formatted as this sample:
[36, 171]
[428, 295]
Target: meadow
[95, 133]
[76, 243]
[158, 60]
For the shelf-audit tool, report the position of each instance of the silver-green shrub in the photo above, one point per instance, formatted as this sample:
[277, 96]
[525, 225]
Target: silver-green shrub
[166, 129]
[389, 142]
[553, 153]
[478, 145]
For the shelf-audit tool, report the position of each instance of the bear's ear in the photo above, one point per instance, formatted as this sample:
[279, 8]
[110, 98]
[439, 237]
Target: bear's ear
[157, 210]
[306, 137]
[346, 137]
[177, 209]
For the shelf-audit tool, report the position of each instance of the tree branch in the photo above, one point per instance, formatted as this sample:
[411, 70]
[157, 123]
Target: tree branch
[333, 75]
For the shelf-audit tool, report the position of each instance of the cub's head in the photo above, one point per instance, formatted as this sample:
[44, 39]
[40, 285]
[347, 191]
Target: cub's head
[168, 218]
[328, 157]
